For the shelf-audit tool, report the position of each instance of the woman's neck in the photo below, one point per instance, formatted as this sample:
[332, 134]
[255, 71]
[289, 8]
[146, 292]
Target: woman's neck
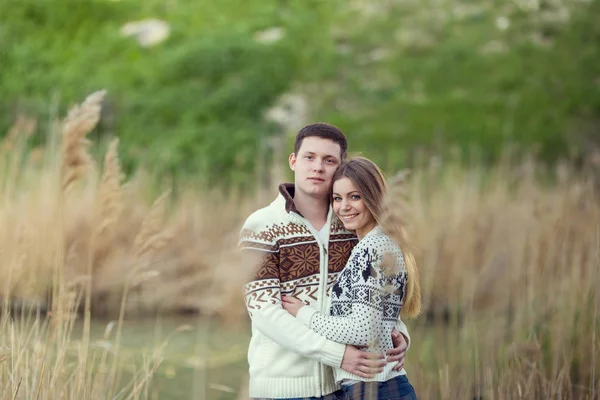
[364, 231]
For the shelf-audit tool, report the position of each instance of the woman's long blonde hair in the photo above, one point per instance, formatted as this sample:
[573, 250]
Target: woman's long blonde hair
[385, 205]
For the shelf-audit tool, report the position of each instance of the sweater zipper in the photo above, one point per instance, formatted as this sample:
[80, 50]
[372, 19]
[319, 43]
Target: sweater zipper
[322, 284]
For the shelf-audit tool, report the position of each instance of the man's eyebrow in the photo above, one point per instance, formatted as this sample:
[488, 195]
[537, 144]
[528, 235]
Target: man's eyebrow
[325, 156]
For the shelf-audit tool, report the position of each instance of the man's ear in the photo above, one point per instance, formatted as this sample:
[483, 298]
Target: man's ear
[292, 161]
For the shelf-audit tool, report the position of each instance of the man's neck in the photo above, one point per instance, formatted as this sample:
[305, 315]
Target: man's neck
[313, 209]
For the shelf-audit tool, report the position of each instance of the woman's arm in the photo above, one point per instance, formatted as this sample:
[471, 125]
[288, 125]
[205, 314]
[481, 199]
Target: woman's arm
[362, 307]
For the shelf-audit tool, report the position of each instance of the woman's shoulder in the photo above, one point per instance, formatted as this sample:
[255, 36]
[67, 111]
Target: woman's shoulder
[380, 242]
[378, 237]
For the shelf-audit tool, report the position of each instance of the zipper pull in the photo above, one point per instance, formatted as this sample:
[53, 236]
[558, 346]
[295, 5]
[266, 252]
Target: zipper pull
[325, 249]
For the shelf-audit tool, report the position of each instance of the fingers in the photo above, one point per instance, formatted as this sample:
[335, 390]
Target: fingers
[398, 367]
[370, 364]
[291, 300]
[363, 375]
[396, 351]
[365, 355]
[396, 357]
[396, 338]
[373, 364]
[366, 372]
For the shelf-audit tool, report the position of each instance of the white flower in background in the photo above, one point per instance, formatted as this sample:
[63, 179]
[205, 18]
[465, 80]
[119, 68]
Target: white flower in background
[290, 112]
[502, 23]
[270, 35]
[148, 32]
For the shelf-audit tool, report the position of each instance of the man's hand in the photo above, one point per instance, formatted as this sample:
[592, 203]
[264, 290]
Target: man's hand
[398, 353]
[362, 363]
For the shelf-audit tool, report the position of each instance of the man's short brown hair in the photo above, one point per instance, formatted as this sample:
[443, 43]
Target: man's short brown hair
[325, 131]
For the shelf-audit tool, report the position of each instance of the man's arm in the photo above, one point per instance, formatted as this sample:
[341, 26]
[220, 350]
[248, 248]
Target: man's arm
[367, 295]
[263, 302]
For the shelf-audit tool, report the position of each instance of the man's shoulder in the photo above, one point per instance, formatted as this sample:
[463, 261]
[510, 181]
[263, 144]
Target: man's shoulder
[337, 230]
[270, 223]
[262, 216]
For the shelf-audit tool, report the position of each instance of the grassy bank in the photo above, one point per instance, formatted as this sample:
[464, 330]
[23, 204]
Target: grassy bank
[397, 76]
[508, 258]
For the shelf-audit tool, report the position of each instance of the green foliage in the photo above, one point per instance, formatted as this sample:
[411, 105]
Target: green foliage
[398, 77]
[462, 82]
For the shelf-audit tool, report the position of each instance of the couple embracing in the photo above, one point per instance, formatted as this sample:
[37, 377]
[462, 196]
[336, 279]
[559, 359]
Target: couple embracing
[329, 281]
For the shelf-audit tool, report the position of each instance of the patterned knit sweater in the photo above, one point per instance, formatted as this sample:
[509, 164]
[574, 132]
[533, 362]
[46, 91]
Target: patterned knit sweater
[287, 359]
[286, 256]
[365, 301]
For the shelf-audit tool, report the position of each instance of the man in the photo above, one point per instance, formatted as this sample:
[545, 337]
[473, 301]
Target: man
[301, 248]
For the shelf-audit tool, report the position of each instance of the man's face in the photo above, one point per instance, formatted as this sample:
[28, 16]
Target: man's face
[314, 165]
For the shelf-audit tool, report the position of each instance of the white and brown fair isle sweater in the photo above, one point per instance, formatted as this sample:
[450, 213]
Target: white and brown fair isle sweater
[365, 301]
[287, 358]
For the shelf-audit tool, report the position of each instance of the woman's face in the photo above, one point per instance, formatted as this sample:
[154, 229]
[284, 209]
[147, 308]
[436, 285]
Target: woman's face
[350, 207]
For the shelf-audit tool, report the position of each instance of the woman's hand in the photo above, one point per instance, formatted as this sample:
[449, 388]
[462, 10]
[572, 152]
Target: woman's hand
[291, 304]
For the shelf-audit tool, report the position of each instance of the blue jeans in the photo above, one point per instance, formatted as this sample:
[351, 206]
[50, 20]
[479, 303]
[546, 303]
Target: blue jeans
[339, 395]
[398, 388]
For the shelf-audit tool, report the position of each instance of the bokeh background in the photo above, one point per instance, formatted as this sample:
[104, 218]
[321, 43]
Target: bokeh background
[119, 276]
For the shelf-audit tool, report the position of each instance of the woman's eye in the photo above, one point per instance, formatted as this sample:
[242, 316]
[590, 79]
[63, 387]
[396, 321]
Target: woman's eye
[337, 199]
[355, 197]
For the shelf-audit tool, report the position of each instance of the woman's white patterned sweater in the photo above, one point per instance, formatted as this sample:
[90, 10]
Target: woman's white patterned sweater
[365, 301]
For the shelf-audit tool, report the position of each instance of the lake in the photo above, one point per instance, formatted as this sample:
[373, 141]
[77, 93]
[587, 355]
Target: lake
[202, 358]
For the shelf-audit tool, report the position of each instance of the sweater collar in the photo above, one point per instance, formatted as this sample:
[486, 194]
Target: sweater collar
[288, 190]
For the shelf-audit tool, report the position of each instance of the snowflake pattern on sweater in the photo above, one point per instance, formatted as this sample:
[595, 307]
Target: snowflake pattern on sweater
[367, 298]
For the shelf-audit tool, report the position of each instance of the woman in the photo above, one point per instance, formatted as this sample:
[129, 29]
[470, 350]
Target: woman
[377, 282]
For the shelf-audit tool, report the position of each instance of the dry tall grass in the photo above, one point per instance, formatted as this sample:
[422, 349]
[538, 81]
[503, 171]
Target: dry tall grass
[508, 259]
[77, 241]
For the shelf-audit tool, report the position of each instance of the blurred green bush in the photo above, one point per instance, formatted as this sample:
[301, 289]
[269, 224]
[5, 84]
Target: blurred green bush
[401, 78]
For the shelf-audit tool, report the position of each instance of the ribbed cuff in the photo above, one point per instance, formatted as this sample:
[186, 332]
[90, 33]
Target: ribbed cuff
[333, 354]
[304, 315]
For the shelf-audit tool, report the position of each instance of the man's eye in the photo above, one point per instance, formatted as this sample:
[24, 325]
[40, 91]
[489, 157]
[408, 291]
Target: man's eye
[308, 157]
[331, 161]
